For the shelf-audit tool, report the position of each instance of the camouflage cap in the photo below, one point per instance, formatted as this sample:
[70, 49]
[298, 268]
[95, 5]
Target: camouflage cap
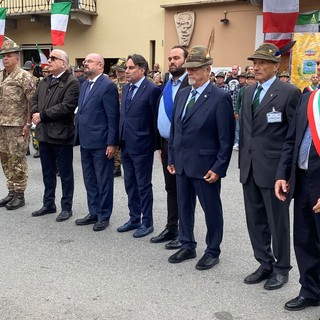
[250, 75]
[284, 74]
[78, 69]
[242, 74]
[28, 65]
[9, 46]
[198, 57]
[120, 65]
[220, 75]
[267, 51]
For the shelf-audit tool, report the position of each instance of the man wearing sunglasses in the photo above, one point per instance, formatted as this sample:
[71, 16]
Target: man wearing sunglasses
[52, 110]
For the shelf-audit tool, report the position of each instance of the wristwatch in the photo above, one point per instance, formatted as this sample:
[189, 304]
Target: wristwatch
[29, 125]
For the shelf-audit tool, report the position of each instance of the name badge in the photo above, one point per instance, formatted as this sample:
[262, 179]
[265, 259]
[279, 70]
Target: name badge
[274, 116]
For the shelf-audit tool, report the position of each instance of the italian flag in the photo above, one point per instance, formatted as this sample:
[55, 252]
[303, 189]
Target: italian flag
[307, 22]
[43, 58]
[3, 13]
[1, 63]
[314, 118]
[59, 21]
[279, 19]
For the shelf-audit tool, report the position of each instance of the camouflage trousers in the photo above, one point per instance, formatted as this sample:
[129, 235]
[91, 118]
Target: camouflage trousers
[13, 149]
[117, 159]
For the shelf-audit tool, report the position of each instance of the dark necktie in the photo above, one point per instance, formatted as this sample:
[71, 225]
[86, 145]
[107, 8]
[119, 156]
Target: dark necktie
[129, 97]
[191, 102]
[167, 99]
[86, 94]
[256, 100]
[54, 80]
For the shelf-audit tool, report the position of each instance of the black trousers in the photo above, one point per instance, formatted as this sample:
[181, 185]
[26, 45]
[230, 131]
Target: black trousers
[53, 156]
[306, 238]
[171, 188]
[268, 227]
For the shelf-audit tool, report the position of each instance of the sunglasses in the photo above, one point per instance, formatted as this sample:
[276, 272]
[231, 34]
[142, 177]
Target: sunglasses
[53, 58]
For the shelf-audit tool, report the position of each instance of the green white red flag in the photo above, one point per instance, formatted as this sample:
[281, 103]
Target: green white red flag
[43, 58]
[59, 22]
[314, 118]
[3, 13]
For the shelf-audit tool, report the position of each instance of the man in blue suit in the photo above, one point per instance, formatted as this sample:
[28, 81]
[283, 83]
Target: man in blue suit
[97, 132]
[137, 143]
[298, 176]
[200, 147]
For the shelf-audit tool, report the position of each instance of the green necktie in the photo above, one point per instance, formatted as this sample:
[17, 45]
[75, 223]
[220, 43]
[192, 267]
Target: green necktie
[191, 101]
[255, 102]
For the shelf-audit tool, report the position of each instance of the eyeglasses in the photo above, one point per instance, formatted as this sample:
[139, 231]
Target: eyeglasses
[89, 61]
[53, 58]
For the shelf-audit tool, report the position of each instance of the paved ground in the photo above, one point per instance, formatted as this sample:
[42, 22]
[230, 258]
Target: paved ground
[53, 270]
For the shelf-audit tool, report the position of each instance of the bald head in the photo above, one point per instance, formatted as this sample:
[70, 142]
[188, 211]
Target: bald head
[93, 65]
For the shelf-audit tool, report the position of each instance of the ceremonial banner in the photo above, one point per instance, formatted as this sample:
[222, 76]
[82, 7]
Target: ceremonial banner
[307, 22]
[304, 55]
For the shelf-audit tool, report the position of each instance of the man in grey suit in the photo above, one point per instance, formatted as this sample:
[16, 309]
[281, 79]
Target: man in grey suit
[267, 109]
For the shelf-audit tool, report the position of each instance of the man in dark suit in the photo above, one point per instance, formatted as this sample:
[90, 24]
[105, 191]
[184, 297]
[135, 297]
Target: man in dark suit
[97, 132]
[298, 176]
[200, 147]
[137, 143]
[52, 109]
[178, 80]
[267, 109]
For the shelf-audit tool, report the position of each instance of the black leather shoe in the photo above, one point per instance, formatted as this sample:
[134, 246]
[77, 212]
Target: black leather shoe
[88, 219]
[100, 225]
[206, 262]
[258, 276]
[182, 254]
[174, 244]
[7, 199]
[300, 303]
[276, 281]
[64, 215]
[165, 235]
[43, 211]
[117, 172]
[16, 202]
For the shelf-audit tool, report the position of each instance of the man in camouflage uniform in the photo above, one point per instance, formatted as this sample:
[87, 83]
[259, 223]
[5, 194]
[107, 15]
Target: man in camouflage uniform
[120, 81]
[16, 90]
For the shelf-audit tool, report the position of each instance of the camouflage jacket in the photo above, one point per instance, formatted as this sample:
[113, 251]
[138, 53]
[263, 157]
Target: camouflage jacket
[16, 90]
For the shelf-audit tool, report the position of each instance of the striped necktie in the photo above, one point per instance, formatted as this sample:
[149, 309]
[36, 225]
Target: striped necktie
[256, 100]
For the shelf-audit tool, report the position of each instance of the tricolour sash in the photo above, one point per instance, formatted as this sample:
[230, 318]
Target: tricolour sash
[314, 118]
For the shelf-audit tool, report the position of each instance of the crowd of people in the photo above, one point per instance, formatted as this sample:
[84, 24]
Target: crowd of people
[194, 119]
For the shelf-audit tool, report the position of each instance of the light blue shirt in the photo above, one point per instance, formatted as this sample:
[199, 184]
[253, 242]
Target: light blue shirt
[265, 87]
[199, 92]
[137, 84]
[164, 124]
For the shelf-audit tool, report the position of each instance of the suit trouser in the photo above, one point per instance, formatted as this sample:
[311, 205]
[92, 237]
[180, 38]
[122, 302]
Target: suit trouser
[267, 221]
[306, 236]
[171, 189]
[61, 156]
[137, 181]
[209, 198]
[98, 178]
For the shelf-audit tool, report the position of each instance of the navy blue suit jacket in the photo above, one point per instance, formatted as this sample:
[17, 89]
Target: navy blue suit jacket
[203, 140]
[97, 119]
[137, 124]
[289, 157]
